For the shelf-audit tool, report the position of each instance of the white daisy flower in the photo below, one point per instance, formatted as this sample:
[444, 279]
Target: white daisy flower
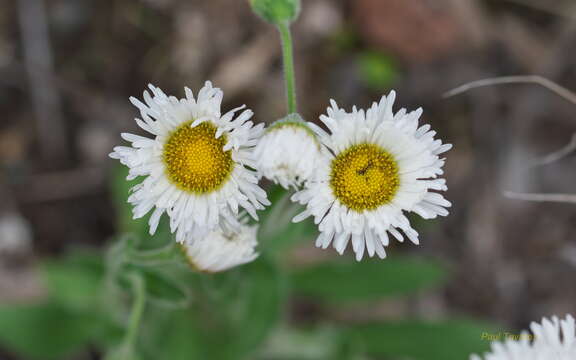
[222, 249]
[195, 166]
[378, 166]
[288, 152]
[553, 339]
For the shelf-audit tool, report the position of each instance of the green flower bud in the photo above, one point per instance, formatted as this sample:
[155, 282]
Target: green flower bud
[276, 12]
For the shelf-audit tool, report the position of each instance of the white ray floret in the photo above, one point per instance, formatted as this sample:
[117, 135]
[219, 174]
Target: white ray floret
[378, 166]
[195, 165]
[222, 249]
[288, 152]
[552, 339]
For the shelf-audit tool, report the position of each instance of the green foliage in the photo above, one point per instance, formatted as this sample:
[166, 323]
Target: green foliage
[120, 189]
[158, 267]
[163, 289]
[75, 281]
[262, 295]
[122, 353]
[418, 340]
[304, 344]
[69, 319]
[176, 335]
[224, 316]
[232, 314]
[277, 232]
[276, 12]
[344, 280]
[48, 330]
[377, 70]
[344, 40]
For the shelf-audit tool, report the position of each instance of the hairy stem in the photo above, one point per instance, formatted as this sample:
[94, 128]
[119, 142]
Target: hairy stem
[139, 289]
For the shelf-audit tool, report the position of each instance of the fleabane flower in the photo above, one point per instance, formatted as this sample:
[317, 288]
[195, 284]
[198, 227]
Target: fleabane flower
[288, 152]
[195, 166]
[377, 167]
[553, 339]
[222, 249]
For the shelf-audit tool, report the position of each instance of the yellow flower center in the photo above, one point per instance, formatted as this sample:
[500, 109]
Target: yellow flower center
[194, 159]
[364, 177]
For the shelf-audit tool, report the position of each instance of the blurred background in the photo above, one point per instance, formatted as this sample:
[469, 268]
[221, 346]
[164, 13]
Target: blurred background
[67, 68]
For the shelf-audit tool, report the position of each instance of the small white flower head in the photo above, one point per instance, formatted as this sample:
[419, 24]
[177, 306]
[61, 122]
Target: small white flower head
[288, 152]
[553, 339]
[195, 166]
[222, 249]
[378, 165]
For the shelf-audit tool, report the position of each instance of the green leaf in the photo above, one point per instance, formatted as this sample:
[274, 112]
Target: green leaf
[261, 299]
[343, 280]
[277, 232]
[160, 256]
[162, 289]
[377, 70]
[303, 344]
[120, 188]
[177, 335]
[276, 11]
[76, 280]
[276, 194]
[232, 313]
[122, 353]
[417, 340]
[45, 331]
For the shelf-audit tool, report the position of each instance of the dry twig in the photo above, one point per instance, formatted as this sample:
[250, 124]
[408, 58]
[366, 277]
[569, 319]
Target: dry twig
[557, 155]
[565, 198]
[521, 79]
[44, 94]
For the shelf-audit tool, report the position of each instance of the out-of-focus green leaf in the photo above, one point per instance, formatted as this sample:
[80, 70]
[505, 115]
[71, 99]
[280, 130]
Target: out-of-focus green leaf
[164, 255]
[120, 191]
[377, 70]
[162, 289]
[261, 292]
[120, 188]
[417, 340]
[232, 314]
[303, 344]
[122, 353]
[178, 337]
[344, 280]
[76, 280]
[46, 331]
[277, 232]
[278, 198]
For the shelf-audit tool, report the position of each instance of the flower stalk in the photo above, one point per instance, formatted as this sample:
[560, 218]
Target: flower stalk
[139, 290]
[288, 64]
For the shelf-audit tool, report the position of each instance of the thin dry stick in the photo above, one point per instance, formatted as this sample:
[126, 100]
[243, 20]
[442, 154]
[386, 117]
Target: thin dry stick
[44, 94]
[565, 198]
[521, 79]
[555, 88]
[557, 155]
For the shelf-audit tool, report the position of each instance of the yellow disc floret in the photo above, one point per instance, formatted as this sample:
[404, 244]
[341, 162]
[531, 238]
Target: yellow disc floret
[194, 158]
[364, 177]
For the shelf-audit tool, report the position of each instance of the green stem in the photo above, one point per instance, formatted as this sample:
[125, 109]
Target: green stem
[288, 61]
[139, 289]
